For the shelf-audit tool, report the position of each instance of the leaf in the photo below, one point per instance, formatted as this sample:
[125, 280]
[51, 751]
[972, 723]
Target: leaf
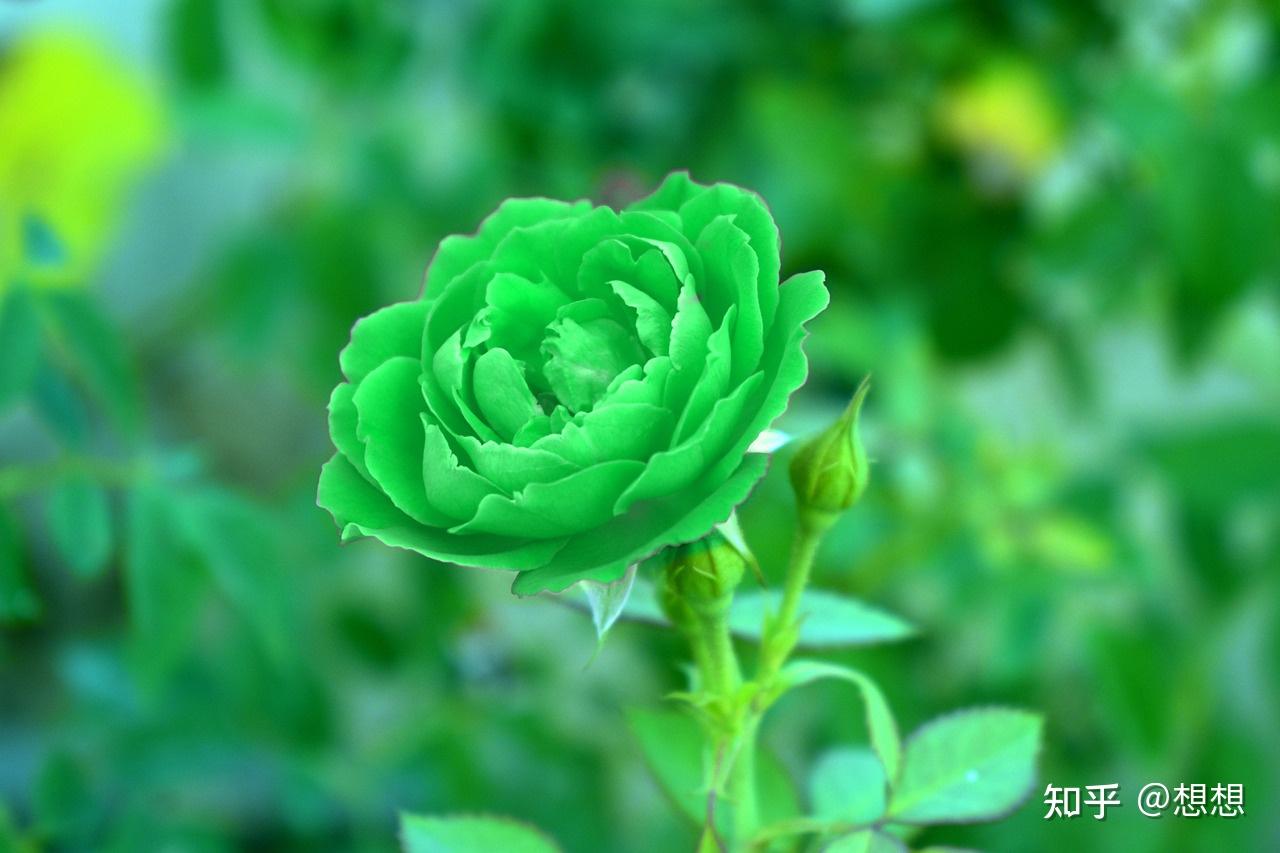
[967, 766]
[163, 583]
[79, 522]
[848, 784]
[18, 602]
[60, 406]
[19, 343]
[866, 841]
[97, 357]
[470, 834]
[673, 746]
[236, 544]
[607, 600]
[831, 620]
[882, 729]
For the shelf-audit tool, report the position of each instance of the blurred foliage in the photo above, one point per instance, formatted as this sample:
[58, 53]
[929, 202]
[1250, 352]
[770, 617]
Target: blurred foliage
[74, 127]
[1050, 229]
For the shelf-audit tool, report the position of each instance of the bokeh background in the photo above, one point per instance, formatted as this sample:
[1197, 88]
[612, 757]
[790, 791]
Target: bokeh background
[1052, 234]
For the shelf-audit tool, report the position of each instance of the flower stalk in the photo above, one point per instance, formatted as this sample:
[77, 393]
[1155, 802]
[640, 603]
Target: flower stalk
[829, 474]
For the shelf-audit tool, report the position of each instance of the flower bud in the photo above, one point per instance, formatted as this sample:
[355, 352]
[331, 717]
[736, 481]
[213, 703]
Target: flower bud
[700, 578]
[829, 472]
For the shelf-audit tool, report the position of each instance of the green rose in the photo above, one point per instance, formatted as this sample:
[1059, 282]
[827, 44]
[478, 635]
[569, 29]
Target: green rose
[576, 389]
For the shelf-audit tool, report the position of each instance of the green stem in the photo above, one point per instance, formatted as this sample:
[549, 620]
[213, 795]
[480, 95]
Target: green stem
[712, 645]
[742, 783]
[713, 652]
[782, 630]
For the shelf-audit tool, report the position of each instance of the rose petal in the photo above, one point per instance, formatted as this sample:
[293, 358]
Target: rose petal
[386, 333]
[579, 502]
[361, 510]
[603, 554]
[459, 253]
[502, 393]
[389, 408]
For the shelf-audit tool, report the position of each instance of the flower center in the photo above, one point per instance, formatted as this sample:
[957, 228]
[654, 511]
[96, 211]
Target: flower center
[584, 354]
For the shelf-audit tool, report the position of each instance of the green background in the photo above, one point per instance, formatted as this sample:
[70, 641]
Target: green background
[1050, 231]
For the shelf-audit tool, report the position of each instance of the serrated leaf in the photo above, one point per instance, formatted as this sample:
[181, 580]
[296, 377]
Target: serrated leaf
[79, 521]
[967, 766]
[830, 620]
[19, 343]
[674, 748]
[847, 784]
[471, 834]
[866, 841]
[882, 729]
[18, 602]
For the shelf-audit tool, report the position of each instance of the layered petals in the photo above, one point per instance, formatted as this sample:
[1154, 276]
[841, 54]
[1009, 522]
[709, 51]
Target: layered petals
[577, 387]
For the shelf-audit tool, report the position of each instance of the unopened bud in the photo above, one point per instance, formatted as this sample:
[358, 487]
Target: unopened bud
[700, 577]
[829, 472]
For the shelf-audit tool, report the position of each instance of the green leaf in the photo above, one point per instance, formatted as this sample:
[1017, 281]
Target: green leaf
[97, 357]
[18, 602]
[848, 784]
[866, 841]
[163, 582]
[236, 544]
[19, 344]
[882, 729]
[830, 620]
[674, 747]
[470, 834]
[79, 522]
[60, 406]
[967, 766]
